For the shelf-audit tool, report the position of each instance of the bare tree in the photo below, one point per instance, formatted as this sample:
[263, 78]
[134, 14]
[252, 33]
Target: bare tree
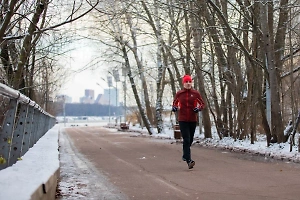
[23, 26]
[235, 49]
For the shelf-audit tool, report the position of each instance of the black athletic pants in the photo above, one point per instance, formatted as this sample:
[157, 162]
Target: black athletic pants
[187, 130]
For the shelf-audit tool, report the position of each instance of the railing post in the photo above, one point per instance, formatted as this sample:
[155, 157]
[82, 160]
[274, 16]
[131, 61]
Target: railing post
[37, 123]
[44, 125]
[18, 133]
[6, 134]
[27, 131]
[34, 127]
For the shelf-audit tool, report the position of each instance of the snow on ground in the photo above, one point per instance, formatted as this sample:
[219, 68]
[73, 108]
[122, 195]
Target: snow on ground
[277, 151]
[23, 178]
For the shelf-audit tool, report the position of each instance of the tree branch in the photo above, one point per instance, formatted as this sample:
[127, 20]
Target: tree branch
[51, 27]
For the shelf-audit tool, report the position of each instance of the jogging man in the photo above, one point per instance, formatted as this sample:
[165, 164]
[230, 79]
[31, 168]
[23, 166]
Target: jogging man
[188, 102]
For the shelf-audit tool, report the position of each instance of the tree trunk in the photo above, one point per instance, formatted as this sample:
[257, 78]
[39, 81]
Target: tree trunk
[140, 70]
[160, 72]
[276, 117]
[135, 92]
[221, 62]
[197, 37]
[8, 12]
[27, 45]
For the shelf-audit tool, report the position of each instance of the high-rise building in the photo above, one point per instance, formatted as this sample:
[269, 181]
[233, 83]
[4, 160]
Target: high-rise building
[111, 96]
[89, 96]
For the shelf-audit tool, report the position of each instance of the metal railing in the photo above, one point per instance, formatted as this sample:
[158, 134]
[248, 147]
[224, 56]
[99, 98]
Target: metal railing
[22, 124]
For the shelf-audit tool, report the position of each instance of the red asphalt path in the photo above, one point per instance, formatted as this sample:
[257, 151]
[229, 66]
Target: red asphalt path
[148, 168]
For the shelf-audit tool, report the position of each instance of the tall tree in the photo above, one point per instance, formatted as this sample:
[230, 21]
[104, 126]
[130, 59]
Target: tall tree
[197, 30]
[22, 33]
[266, 8]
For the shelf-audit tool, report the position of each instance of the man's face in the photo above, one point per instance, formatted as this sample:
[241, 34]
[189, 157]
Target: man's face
[187, 85]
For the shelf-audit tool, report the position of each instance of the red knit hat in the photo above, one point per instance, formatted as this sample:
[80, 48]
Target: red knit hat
[186, 78]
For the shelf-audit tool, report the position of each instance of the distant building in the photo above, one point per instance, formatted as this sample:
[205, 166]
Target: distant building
[64, 98]
[89, 97]
[90, 94]
[111, 95]
[101, 100]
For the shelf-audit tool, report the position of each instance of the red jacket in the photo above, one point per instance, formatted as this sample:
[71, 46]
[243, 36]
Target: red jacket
[186, 100]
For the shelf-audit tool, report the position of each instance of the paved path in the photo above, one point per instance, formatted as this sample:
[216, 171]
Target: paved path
[137, 167]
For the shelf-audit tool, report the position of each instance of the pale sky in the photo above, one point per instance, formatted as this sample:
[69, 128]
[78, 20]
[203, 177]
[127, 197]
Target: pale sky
[78, 80]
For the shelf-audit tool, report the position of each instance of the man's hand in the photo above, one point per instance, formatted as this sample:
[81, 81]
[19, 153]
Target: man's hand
[174, 109]
[196, 110]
